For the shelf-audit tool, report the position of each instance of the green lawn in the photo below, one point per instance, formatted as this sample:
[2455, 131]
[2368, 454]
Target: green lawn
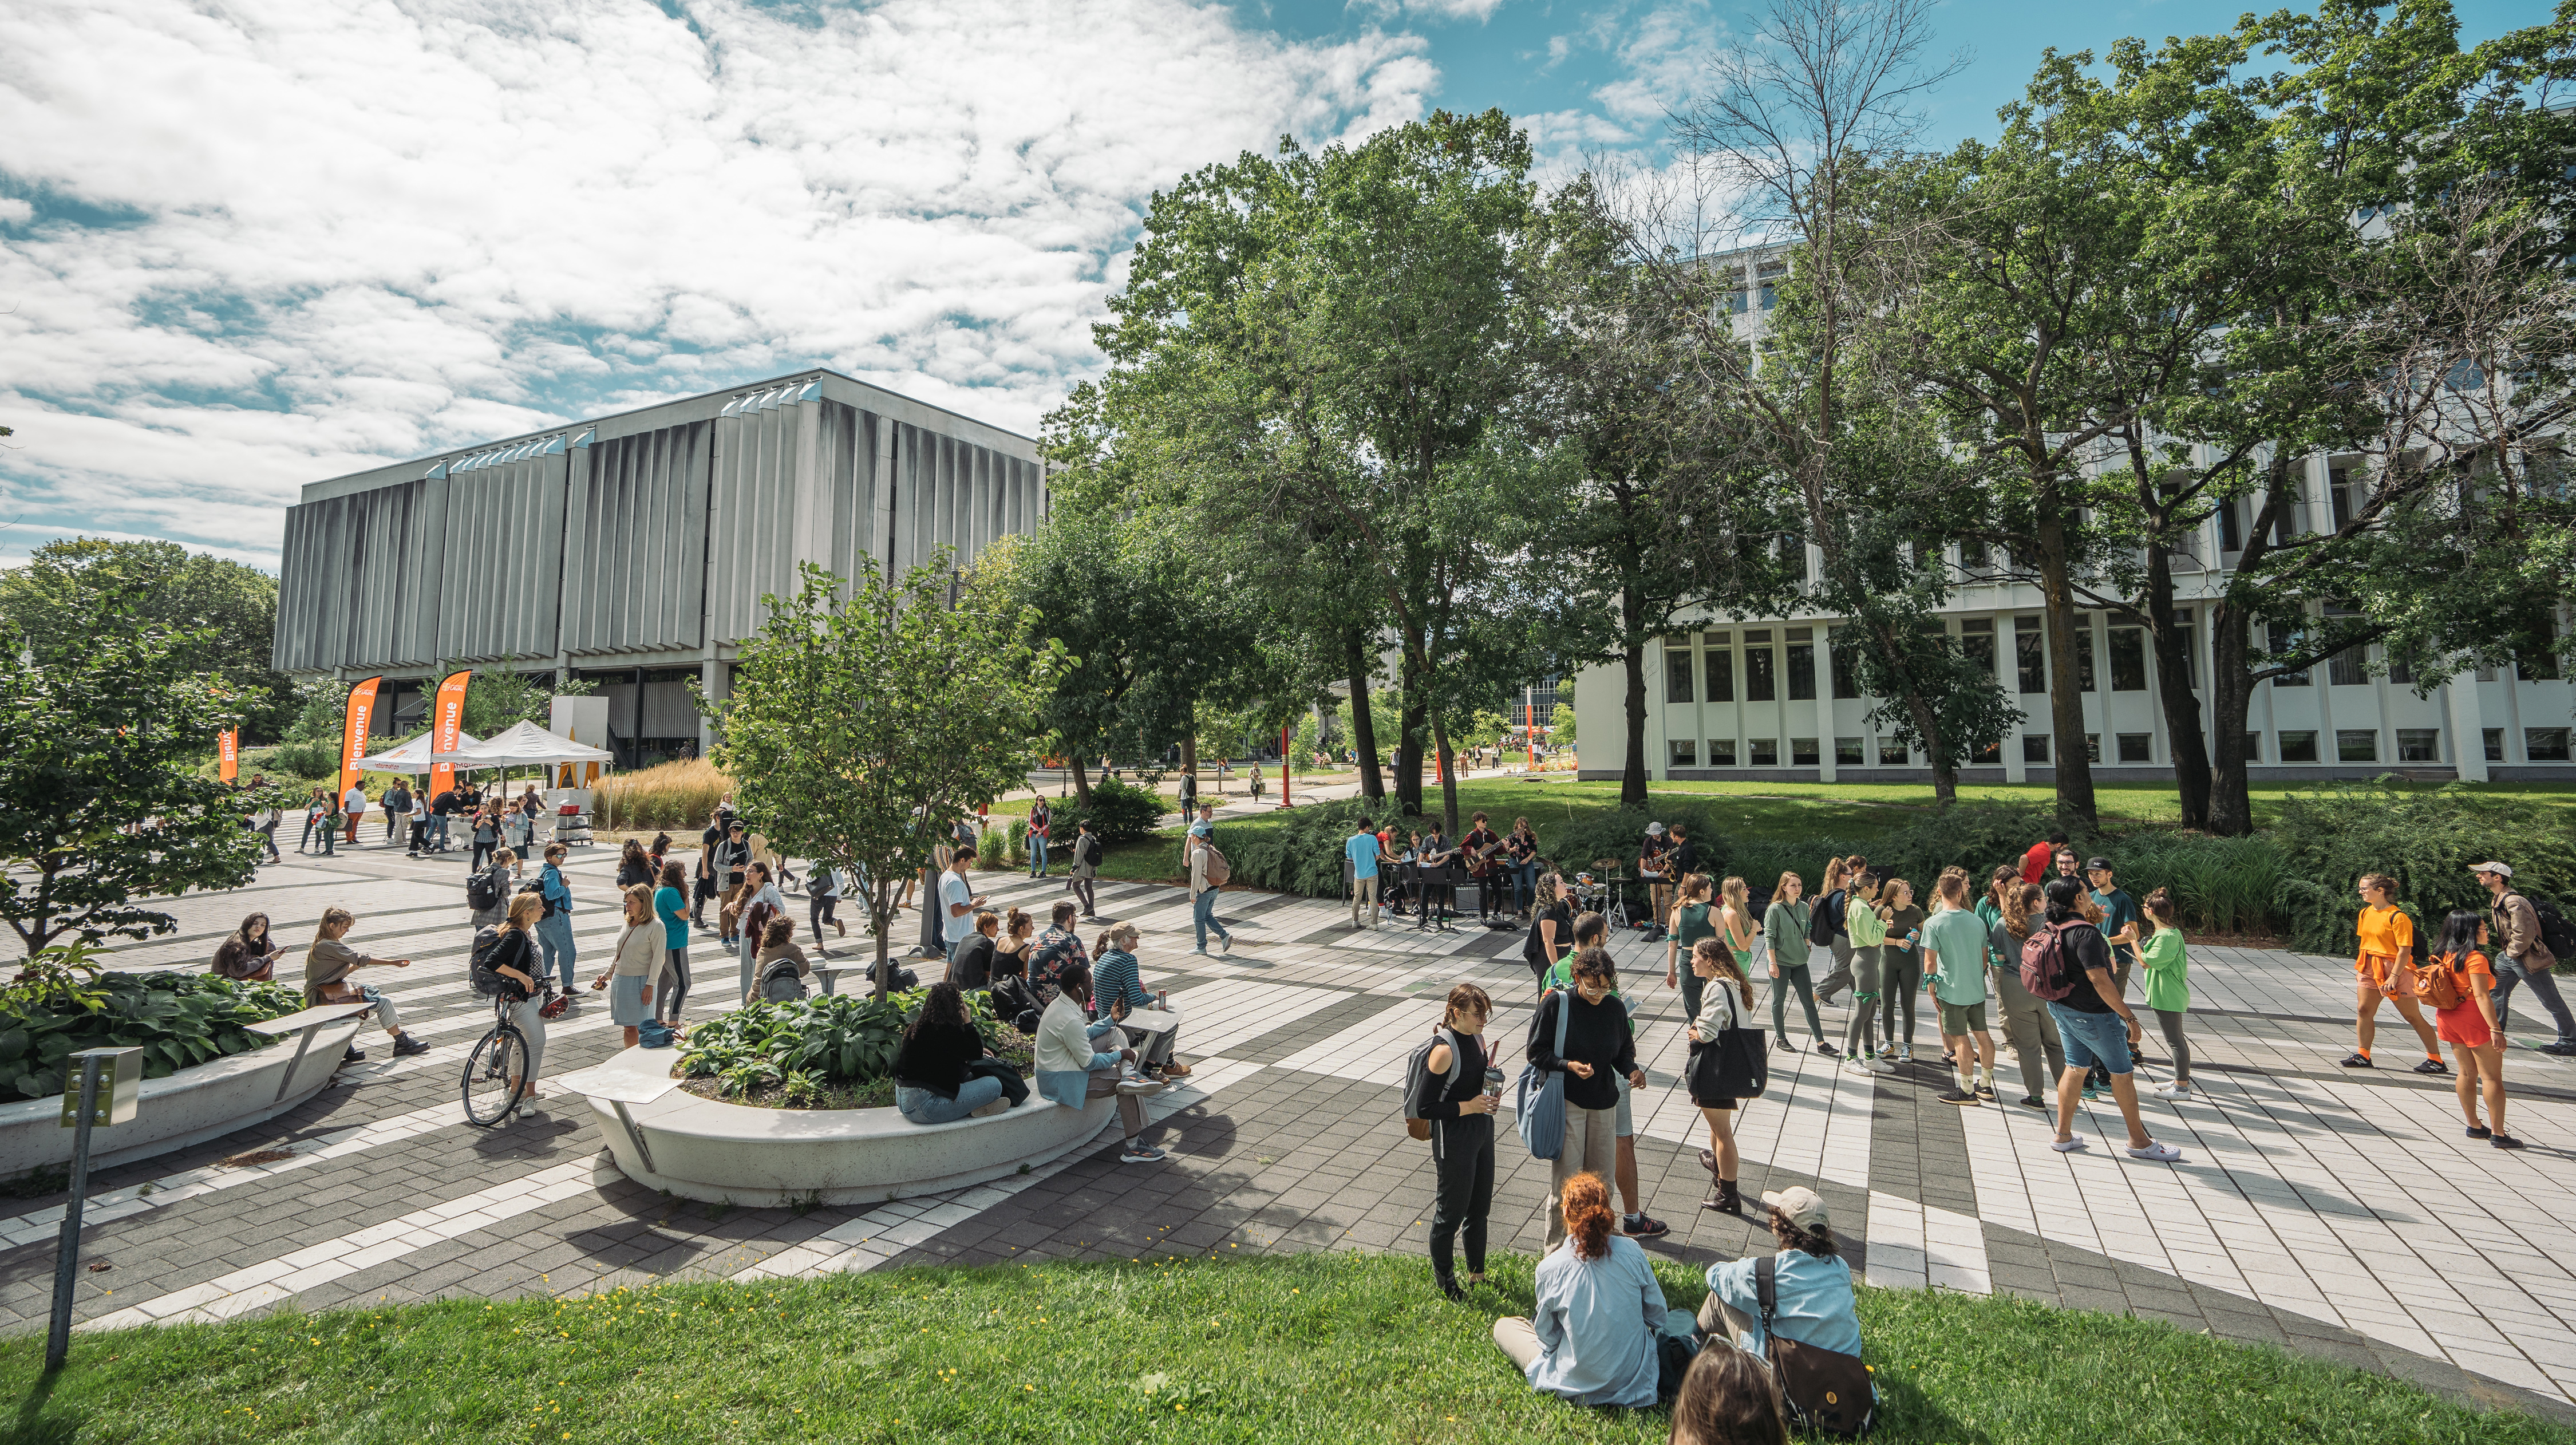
[1289, 1349]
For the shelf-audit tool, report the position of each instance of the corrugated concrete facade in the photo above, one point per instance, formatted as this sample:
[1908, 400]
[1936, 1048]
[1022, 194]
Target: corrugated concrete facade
[642, 540]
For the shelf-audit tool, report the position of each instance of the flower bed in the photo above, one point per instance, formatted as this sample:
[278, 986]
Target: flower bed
[810, 1053]
[179, 1020]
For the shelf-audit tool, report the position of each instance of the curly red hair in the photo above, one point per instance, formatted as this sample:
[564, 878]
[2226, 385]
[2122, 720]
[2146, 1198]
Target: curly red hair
[1586, 1204]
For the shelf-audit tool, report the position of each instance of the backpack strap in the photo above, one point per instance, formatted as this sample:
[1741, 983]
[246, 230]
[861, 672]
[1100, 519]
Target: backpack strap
[1766, 1287]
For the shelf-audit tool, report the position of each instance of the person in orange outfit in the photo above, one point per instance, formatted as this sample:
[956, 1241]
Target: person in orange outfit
[2470, 1025]
[2387, 940]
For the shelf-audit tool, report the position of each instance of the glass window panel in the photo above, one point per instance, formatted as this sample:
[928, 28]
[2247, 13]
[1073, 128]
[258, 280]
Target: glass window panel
[2494, 740]
[1847, 752]
[1980, 647]
[2084, 679]
[2128, 659]
[2356, 745]
[2137, 748]
[2298, 747]
[1761, 667]
[2190, 653]
[1766, 752]
[2283, 639]
[1721, 752]
[2030, 656]
[1892, 754]
[1802, 671]
[1846, 674]
[1802, 752]
[2345, 669]
[1721, 675]
[1685, 753]
[2253, 747]
[2544, 745]
[2231, 525]
[1990, 753]
[2092, 747]
[2034, 747]
[1677, 676]
[2419, 745]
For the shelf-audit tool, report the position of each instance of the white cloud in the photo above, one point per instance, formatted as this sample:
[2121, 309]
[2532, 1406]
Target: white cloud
[1479, 11]
[273, 241]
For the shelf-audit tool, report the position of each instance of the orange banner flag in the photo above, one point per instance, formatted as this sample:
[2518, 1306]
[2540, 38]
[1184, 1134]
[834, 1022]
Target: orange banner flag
[446, 720]
[227, 754]
[353, 733]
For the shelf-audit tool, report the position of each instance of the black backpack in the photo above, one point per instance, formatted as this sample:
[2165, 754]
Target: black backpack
[486, 978]
[1090, 850]
[1822, 923]
[483, 890]
[2556, 934]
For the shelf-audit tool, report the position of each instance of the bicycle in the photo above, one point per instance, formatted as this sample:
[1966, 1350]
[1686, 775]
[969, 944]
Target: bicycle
[496, 1072]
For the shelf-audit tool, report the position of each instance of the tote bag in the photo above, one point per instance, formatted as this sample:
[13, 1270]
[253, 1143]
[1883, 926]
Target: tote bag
[1734, 1065]
[1540, 1099]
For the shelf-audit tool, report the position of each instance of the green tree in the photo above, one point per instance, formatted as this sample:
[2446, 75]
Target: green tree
[866, 717]
[100, 806]
[226, 611]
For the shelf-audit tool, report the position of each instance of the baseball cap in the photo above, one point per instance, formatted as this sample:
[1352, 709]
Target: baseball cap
[2498, 869]
[2098, 865]
[1804, 1207]
[1654, 830]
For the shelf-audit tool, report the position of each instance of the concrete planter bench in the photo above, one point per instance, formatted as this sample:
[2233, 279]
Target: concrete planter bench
[705, 1149]
[196, 1104]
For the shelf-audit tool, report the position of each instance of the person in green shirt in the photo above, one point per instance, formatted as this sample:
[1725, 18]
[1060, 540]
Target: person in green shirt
[1954, 951]
[2168, 993]
[1784, 937]
[1867, 929]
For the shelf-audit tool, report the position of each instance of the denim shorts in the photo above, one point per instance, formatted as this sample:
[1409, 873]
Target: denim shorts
[1627, 1127]
[2092, 1039]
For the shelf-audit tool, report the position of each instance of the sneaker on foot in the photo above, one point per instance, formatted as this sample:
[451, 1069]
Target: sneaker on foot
[2174, 1091]
[2156, 1153]
[2479, 1131]
[1985, 1091]
[1828, 1050]
[354, 1055]
[2432, 1066]
[2069, 1146]
[2357, 1060]
[2033, 1101]
[1225, 943]
[405, 1046]
[1905, 1053]
[2505, 1141]
[1642, 1226]
[1784, 1046]
[1140, 1154]
[2092, 1095]
[1953, 1096]
[2561, 1048]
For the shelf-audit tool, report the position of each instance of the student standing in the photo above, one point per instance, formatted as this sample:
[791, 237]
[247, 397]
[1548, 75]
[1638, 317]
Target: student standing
[1551, 933]
[1689, 923]
[1868, 934]
[1954, 949]
[636, 960]
[2094, 1022]
[2028, 1025]
[487, 837]
[671, 905]
[353, 805]
[1041, 818]
[2168, 986]
[1592, 935]
[1361, 849]
[1784, 934]
[2382, 972]
[2473, 1024]
[2119, 917]
[1833, 895]
[1600, 1049]
[1727, 1006]
[1900, 967]
[1454, 1096]
[554, 932]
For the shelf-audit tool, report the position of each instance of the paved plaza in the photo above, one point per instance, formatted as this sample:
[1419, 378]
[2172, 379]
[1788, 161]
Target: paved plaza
[2342, 1215]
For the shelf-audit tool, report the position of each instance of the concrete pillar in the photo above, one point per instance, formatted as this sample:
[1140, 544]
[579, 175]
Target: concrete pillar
[2468, 727]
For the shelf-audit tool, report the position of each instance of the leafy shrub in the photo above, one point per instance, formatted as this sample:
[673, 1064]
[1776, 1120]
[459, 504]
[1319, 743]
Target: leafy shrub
[2426, 841]
[2231, 884]
[302, 760]
[1301, 851]
[1119, 812]
[62, 1005]
[1614, 834]
[682, 793]
[834, 1038]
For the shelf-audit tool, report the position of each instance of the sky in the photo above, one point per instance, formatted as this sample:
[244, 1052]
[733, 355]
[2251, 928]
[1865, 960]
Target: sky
[250, 245]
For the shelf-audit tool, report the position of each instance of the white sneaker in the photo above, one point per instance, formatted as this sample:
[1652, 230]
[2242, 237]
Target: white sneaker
[1225, 944]
[2174, 1091]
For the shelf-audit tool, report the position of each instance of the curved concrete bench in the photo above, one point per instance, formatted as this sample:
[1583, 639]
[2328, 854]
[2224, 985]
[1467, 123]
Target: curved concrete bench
[667, 1138]
[195, 1104]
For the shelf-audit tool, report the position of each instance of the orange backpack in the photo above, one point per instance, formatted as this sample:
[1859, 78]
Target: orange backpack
[2440, 980]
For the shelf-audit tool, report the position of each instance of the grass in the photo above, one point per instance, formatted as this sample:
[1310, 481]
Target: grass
[1311, 1348]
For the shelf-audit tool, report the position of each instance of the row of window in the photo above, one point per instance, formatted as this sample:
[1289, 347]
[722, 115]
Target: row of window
[2291, 745]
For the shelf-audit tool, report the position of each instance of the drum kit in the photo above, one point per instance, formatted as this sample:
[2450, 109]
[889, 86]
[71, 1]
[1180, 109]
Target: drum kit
[1604, 896]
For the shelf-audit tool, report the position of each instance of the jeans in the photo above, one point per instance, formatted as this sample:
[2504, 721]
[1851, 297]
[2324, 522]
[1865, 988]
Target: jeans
[1090, 903]
[2032, 1031]
[304, 844]
[674, 994]
[268, 838]
[1900, 975]
[2092, 1039]
[482, 856]
[922, 1106]
[554, 935]
[438, 832]
[1037, 855]
[1203, 914]
[1462, 1160]
[386, 1018]
[2509, 973]
[1524, 884]
[1793, 979]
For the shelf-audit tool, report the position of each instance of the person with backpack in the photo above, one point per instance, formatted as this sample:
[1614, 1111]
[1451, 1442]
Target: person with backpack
[781, 972]
[2530, 944]
[1087, 853]
[1595, 1049]
[554, 934]
[1784, 934]
[1796, 1309]
[2067, 962]
[1596, 1329]
[2460, 981]
[1449, 1089]
[2027, 1024]
[1041, 818]
[671, 905]
[488, 891]
[505, 965]
[1208, 873]
[1826, 929]
[327, 966]
[2386, 970]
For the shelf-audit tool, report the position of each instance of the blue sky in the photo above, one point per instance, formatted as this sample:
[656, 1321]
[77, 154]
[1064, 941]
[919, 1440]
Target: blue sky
[247, 247]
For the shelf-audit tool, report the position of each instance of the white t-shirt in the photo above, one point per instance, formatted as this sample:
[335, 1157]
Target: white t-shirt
[955, 891]
[354, 800]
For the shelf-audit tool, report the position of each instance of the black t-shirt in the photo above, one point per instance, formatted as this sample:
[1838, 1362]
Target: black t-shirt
[1438, 1098]
[444, 803]
[1595, 1033]
[1561, 913]
[2090, 951]
[1650, 855]
[1685, 858]
[974, 966]
[1830, 907]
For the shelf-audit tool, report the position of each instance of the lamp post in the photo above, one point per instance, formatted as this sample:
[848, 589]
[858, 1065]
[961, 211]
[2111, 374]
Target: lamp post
[120, 1071]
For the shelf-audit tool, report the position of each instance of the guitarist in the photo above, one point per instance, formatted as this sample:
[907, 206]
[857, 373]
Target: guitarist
[1433, 854]
[1482, 846]
[1653, 857]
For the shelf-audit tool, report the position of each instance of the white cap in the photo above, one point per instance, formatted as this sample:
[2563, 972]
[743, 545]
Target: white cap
[1803, 1206]
[2498, 869]
[1654, 830]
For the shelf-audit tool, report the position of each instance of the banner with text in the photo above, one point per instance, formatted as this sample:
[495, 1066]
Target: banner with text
[446, 720]
[353, 732]
[227, 754]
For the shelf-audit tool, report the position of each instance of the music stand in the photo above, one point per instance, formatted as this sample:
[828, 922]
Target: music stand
[1441, 875]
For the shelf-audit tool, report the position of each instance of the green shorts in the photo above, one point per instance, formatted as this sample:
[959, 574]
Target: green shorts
[1958, 1020]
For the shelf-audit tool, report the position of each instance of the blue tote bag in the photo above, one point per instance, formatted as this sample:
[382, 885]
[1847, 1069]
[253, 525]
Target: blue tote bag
[1540, 1099]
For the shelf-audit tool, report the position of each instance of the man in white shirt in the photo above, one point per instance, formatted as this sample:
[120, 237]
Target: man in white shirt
[958, 901]
[353, 803]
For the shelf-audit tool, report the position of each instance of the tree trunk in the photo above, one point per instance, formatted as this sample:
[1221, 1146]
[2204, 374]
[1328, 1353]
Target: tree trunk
[1632, 774]
[881, 923]
[2231, 698]
[2075, 807]
[1363, 727]
[1413, 712]
[1081, 779]
[2173, 687]
[1448, 779]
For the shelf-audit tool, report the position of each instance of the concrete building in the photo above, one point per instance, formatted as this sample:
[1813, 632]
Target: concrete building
[633, 549]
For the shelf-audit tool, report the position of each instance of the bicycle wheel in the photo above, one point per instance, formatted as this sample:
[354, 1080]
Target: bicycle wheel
[496, 1074]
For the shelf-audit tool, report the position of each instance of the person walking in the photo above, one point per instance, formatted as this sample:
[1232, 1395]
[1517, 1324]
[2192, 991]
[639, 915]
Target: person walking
[263, 821]
[2461, 975]
[554, 930]
[1361, 849]
[1954, 952]
[1205, 865]
[1784, 937]
[2092, 1019]
[315, 811]
[761, 901]
[419, 812]
[504, 876]
[1599, 1049]
[2162, 957]
[823, 905]
[2381, 967]
[1867, 930]
[1087, 852]
[1900, 968]
[327, 966]
[1456, 1096]
[671, 905]
[1041, 819]
[1727, 1006]
[2028, 1026]
[1827, 927]
[2521, 957]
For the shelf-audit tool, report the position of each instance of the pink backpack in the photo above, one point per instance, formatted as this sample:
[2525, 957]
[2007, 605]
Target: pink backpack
[2047, 965]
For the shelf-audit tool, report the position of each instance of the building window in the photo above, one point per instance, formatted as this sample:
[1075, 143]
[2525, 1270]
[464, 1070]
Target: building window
[1770, 295]
[1802, 664]
[2137, 748]
[2190, 650]
[2092, 747]
[2419, 745]
[2494, 740]
[2283, 640]
[1761, 667]
[1765, 751]
[1677, 675]
[1802, 752]
[2345, 669]
[1891, 753]
[2030, 656]
[1737, 301]
[2253, 747]
[2537, 664]
[2084, 676]
[2339, 494]
[1838, 644]
[2400, 670]
[2356, 745]
[1716, 639]
[1990, 753]
[1721, 752]
[1685, 753]
[2544, 745]
[1977, 640]
[2231, 525]
[1847, 752]
[1721, 675]
[2298, 747]
[2034, 747]
[2128, 659]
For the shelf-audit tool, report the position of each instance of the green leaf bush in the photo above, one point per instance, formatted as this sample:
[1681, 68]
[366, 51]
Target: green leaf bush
[177, 1019]
[1302, 852]
[832, 1039]
[2426, 841]
[1119, 812]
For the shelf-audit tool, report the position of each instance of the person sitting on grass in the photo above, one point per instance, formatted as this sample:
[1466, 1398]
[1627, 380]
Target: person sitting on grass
[1072, 1074]
[1594, 1335]
[1117, 989]
[1812, 1288]
[942, 1070]
[1729, 1397]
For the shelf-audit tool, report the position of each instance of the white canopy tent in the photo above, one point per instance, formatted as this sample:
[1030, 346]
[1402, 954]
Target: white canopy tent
[413, 756]
[524, 745]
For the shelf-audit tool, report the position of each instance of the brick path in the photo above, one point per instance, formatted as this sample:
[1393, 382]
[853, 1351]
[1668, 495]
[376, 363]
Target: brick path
[2295, 1217]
